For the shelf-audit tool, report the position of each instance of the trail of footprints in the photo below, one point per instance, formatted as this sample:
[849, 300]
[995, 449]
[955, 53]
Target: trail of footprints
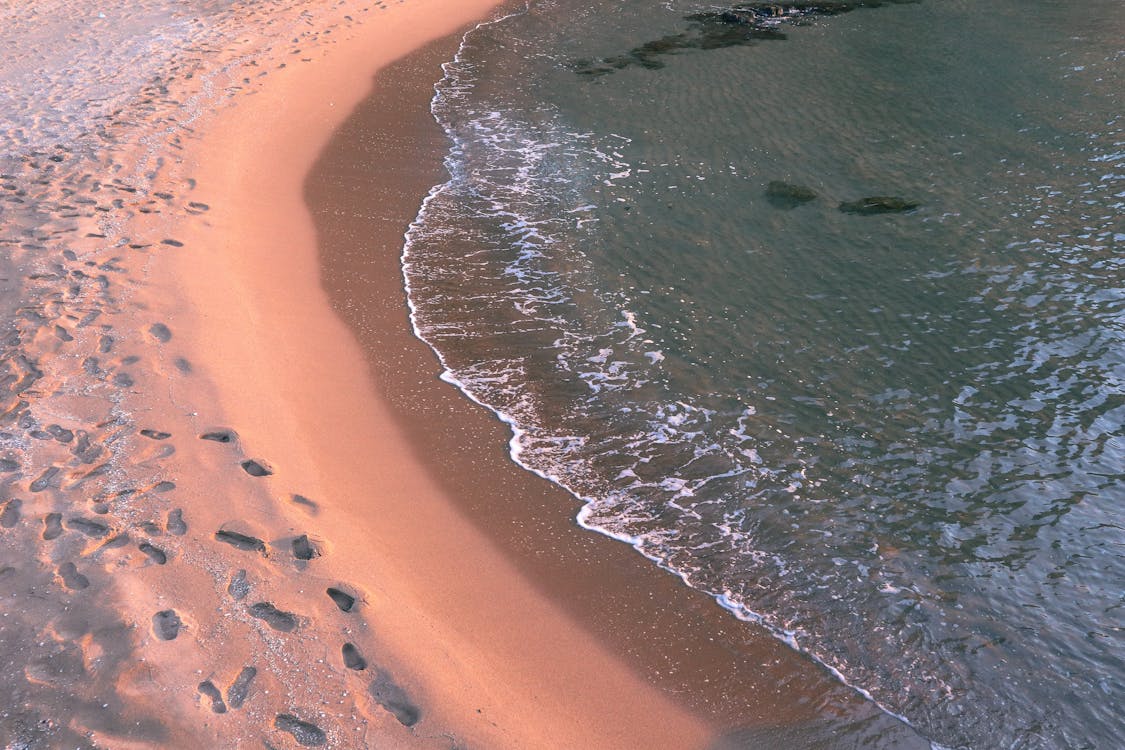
[167, 624]
[69, 232]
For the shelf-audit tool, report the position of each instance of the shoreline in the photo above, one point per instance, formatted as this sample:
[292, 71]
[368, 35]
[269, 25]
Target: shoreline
[724, 671]
[473, 643]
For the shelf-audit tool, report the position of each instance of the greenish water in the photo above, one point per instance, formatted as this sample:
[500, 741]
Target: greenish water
[894, 438]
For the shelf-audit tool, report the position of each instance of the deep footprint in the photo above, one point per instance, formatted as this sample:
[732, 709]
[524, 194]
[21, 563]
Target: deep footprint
[156, 434]
[72, 579]
[343, 599]
[88, 527]
[277, 619]
[176, 525]
[303, 549]
[242, 541]
[219, 436]
[308, 735]
[256, 468]
[240, 688]
[390, 696]
[52, 526]
[166, 624]
[208, 689]
[155, 554]
[44, 480]
[353, 659]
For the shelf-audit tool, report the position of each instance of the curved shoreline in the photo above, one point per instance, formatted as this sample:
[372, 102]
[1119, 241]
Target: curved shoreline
[484, 655]
[673, 637]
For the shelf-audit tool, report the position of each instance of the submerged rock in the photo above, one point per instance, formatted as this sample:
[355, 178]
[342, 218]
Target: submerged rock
[878, 204]
[785, 195]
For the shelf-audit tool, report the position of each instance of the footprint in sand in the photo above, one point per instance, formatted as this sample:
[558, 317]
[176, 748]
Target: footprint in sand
[353, 659]
[44, 479]
[240, 688]
[256, 468]
[166, 624]
[153, 553]
[119, 540]
[94, 529]
[176, 525]
[238, 587]
[71, 578]
[242, 541]
[52, 526]
[60, 433]
[10, 516]
[303, 549]
[388, 694]
[308, 735]
[219, 436]
[160, 332]
[156, 434]
[208, 689]
[277, 619]
[309, 505]
[343, 599]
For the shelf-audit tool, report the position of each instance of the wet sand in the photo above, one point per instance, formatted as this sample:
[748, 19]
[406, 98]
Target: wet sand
[240, 508]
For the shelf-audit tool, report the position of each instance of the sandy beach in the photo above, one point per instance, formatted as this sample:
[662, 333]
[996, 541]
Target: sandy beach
[251, 513]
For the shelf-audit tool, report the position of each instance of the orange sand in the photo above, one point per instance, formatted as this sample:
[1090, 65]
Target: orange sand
[496, 662]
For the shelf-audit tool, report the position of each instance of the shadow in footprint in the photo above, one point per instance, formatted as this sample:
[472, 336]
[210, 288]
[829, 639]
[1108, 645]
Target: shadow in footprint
[243, 542]
[388, 694]
[239, 690]
[90, 528]
[303, 549]
[353, 659]
[52, 526]
[156, 434]
[166, 624]
[71, 578]
[10, 516]
[309, 505]
[176, 525]
[208, 689]
[343, 599]
[238, 587]
[160, 332]
[256, 468]
[277, 619]
[219, 436]
[155, 554]
[306, 734]
[44, 479]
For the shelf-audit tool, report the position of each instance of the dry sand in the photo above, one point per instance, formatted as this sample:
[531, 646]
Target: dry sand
[239, 507]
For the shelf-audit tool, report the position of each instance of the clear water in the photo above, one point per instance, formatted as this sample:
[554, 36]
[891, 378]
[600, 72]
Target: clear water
[896, 440]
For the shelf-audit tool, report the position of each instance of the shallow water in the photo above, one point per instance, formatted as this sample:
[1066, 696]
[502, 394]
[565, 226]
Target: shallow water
[894, 439]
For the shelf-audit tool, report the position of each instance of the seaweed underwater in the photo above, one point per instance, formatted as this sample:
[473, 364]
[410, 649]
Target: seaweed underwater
[740, 25]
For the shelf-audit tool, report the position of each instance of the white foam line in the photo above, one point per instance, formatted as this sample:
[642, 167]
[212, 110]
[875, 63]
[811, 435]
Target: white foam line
[515, 449]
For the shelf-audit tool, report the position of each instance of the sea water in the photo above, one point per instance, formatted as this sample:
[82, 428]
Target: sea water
[890, 432]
